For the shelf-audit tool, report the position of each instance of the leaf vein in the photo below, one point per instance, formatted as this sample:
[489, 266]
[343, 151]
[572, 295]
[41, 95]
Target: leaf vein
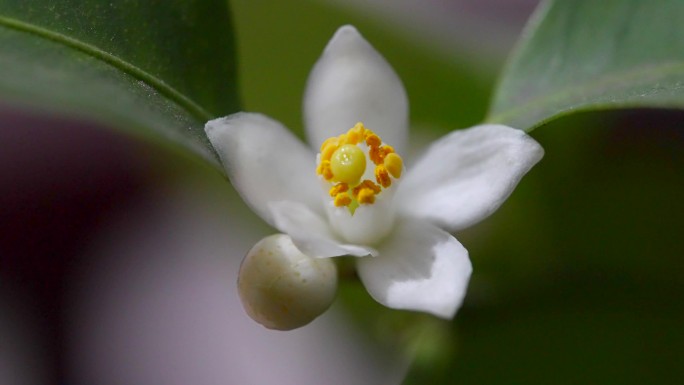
[130, 69]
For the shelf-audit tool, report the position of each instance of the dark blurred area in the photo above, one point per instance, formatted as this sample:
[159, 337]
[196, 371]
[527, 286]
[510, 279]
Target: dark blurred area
[60, 181]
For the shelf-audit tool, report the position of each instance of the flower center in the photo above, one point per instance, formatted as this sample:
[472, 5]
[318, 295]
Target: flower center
[355, 181]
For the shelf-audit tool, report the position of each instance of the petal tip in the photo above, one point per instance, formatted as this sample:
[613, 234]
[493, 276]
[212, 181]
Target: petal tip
[345, 38]
[537, 149]
[213, 125]
[218, 133]
[347, 28]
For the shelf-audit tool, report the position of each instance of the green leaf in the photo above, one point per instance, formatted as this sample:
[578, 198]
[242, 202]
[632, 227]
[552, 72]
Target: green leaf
[155, 69]
[593, 55]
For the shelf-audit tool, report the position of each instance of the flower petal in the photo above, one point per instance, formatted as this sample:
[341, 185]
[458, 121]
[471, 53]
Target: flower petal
[351, 83]
[264, 161]
[310, 233]
[368, 225]
[420, 267]
[467, 175]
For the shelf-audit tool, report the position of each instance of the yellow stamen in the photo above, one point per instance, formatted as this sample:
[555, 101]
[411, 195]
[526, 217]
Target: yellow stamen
[343, 161]
[375, 155]
[394, 164]
[355, 134]
[338, 188]
[366, 184]
[327, 149]
[325, 170]
[372, 140]
[378, 154]
[334, 141]
[382, 176]
[342, 199]
[366, 196]
[341, 140]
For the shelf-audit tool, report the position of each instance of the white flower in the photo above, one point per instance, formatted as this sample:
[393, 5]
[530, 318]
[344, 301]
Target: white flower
[400, 225]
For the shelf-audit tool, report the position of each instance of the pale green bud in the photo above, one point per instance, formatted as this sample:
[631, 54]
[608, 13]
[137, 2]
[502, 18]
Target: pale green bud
[282, 288]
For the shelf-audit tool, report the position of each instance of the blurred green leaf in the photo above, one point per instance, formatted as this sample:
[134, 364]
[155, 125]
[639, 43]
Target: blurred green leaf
[593, 55]
[156, 69]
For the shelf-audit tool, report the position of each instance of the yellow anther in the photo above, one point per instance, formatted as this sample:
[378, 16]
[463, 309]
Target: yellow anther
[325, 170]
[366, 196]
[353, 137]
[342, 199]
[378, 154]
[348, 163]
[330, 141]
[367, 184]
[338, 188]
[355, 134]
[328, 148]
[342, 140]
[394, 164]
[382, 176]
[375, 155]
[372, 140]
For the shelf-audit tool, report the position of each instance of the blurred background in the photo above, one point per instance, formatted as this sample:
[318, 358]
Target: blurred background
[118, 258]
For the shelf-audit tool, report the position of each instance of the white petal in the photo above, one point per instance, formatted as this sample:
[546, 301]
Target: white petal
[369, 224]
[351, 83]
[310, 233]
[467, 175]
[264, 161]
[420, 267]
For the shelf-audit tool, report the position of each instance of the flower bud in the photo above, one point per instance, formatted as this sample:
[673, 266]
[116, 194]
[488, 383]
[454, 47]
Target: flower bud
[282, 288]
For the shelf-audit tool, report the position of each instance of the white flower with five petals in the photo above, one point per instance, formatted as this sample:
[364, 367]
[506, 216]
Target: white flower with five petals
[400, 225]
